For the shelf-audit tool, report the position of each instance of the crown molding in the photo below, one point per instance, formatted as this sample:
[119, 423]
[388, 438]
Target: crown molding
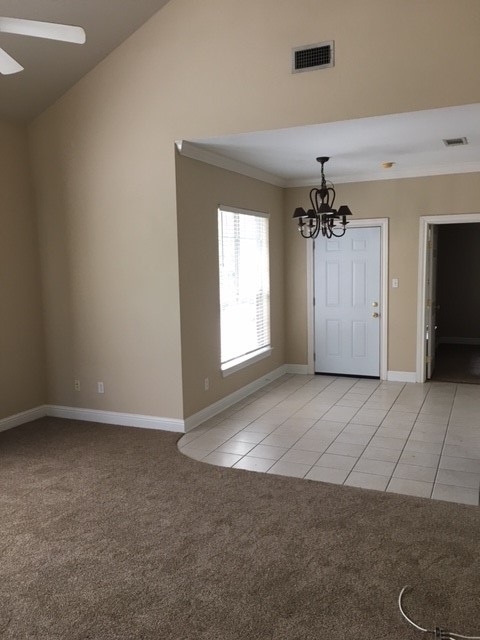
[197, 152]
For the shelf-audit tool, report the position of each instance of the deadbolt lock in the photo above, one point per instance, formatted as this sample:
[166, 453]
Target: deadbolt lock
[374, 304]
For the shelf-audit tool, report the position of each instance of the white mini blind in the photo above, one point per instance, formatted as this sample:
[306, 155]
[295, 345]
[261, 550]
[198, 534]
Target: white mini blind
[243, 249]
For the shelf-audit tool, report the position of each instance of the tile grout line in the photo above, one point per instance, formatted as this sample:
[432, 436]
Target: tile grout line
[336, 379]
[371, 438]
[276, 427]
[406, 442]
[302, 432]
[444, 441]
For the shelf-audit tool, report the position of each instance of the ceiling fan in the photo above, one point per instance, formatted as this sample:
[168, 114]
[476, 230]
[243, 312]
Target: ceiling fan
[36, 29]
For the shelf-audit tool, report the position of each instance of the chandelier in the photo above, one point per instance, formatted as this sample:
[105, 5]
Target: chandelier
[322, 217]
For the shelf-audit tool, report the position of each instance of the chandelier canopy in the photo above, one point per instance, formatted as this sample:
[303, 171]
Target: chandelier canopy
[322, 217]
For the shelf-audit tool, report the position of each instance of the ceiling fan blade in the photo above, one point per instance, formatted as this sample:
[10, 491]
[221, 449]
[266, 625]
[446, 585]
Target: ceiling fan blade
[49, 30]
[8, 65]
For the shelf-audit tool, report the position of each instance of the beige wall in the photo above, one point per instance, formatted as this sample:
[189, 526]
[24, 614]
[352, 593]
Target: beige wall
[104, 162]
[402, 202]
[201, 188]
[109, 260]
[22, 363]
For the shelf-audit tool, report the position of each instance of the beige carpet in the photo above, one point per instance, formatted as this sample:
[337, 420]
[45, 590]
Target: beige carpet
[110, 533]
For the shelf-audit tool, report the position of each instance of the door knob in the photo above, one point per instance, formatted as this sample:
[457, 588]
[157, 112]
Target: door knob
[375, 315]
[374, 304]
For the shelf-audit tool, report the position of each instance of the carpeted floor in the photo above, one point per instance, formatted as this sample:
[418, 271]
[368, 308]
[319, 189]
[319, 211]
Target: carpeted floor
[110, 533]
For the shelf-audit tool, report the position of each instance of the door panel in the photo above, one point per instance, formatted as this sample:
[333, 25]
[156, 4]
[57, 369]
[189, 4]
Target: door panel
[346, 286]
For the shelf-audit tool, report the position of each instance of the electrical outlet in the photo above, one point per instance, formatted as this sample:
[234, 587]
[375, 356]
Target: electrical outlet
[76, 385]
[100, 387]
[207, 384]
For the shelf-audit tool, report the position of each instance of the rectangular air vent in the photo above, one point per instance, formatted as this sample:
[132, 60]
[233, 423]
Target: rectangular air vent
[313, 56]
[454, 142]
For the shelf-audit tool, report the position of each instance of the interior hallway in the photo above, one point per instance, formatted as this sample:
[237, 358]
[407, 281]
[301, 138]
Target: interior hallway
[457, 363]
[414, 439]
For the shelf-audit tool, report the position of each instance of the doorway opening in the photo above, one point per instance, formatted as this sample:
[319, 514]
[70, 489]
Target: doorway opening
[448, 339]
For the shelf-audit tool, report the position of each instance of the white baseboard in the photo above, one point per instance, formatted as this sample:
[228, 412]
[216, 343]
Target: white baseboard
[401, 376]
[204, 414]
[453, 340]
[113, 417]
[301, 369]
[143, 421]
[23, 417]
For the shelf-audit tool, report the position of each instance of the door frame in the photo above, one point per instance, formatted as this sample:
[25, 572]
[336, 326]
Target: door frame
[383, 303]
[425, 222]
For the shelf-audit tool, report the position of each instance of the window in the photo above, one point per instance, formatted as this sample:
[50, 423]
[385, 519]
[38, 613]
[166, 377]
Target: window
[243, 252]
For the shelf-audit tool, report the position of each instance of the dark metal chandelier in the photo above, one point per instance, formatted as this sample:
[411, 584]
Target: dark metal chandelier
[322, 217]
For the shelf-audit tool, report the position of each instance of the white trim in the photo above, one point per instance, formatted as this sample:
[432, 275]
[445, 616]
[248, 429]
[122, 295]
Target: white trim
[245, 361]
[113, 417]
[401, 376]
[204, 414]
[22, 418]
[197, 152]
[453, 340]
[310, 309]
[298, 369]
[143, 421]
[462, 218]
[362, 222]
[244, 212]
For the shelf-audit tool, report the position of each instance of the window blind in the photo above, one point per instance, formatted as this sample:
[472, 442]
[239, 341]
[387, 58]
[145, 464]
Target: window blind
[243, 249]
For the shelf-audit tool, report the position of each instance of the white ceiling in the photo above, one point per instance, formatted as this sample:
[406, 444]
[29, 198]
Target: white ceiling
[53, 67]
[357, 148]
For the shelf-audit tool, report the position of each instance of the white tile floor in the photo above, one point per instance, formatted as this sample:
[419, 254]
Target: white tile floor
[414, 439]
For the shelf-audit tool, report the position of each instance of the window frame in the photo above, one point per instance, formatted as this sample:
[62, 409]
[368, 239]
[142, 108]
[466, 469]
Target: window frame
[246, 359]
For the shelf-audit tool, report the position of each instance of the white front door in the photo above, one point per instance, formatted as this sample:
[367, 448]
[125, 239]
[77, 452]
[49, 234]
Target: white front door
[347, 303]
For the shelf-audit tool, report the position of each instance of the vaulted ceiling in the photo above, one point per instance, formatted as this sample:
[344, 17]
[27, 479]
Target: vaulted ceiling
[413, 142]
[51, 67]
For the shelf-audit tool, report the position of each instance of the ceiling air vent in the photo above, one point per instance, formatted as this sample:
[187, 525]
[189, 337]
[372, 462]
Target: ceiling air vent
[454, 142]
[313, 56]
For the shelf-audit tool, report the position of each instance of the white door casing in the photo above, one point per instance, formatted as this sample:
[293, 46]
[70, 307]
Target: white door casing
[430, 301]
[347, 286]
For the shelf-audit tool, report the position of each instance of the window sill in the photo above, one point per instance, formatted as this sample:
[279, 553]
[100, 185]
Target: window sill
[245, 361]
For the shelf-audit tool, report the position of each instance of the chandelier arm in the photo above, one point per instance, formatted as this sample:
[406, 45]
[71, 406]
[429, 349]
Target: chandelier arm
[305, 235]
[312, 199]
[332, 190]
[339, 235]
